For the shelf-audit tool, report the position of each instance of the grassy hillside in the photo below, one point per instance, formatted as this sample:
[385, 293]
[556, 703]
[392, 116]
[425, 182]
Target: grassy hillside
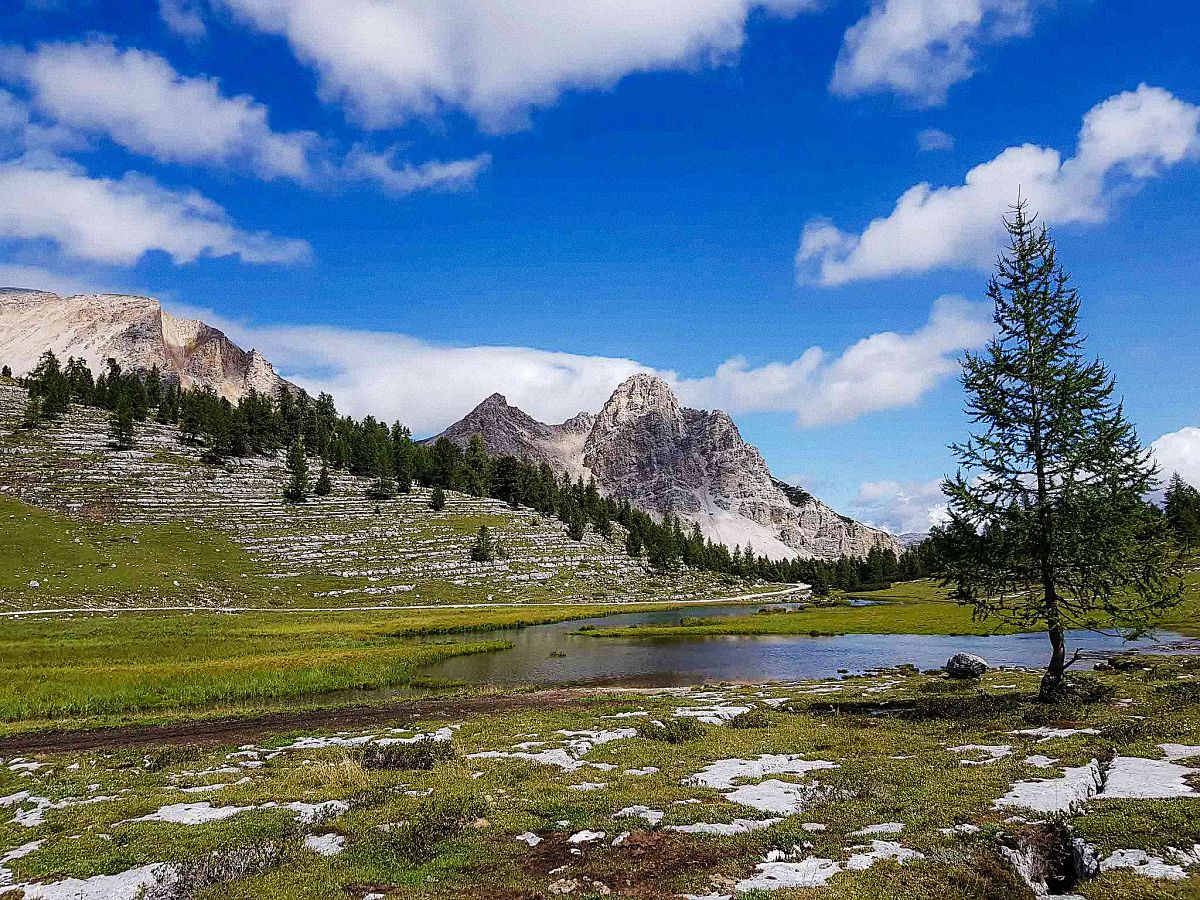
[154, 526]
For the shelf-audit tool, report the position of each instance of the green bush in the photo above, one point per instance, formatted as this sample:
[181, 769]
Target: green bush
[673, 731]
[438, 819]
[419, 755]
[751, 718]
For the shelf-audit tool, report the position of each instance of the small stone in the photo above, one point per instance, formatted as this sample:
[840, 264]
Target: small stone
[966, 665]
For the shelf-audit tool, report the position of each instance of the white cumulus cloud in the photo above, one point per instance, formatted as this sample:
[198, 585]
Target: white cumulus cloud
[1125, 140]
[882, 371]
[430, 385]
[389, 60]
[901, 506]
[138, 100]
[117, 221]
[920, 48]
[1179, 451]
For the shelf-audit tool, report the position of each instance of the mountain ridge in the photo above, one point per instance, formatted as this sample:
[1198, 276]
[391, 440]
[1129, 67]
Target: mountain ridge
[137, 332]
[644, 447]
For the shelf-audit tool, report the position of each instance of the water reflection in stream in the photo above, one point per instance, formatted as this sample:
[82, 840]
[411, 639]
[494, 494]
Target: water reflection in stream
[553, 654]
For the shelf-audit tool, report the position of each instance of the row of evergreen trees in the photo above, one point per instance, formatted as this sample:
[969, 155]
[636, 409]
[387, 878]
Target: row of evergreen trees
[394, 462]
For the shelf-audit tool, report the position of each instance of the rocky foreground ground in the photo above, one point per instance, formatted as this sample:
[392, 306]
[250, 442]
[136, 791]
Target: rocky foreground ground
[896, 784]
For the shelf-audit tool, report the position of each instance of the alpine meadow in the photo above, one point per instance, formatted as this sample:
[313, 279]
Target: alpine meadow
[514, 449]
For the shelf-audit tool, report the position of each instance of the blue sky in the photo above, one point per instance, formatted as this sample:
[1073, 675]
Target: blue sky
[415, 204]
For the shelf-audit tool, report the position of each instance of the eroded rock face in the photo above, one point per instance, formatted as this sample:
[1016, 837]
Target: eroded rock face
[136, 332]
[668, 460]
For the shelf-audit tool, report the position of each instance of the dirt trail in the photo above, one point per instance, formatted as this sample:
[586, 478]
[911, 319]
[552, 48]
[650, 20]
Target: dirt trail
[252, 728]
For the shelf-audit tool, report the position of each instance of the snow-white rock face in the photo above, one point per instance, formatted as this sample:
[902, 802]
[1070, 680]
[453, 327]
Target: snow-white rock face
[669, 460]
[136, 332]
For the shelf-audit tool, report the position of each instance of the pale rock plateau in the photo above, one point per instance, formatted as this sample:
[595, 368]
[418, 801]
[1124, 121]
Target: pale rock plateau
[135, 331]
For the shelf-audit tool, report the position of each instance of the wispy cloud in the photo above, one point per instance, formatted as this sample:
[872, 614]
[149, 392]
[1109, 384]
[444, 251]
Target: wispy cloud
[901, 506]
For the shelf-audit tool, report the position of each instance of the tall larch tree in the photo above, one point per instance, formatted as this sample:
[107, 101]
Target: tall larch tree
[1048, 523]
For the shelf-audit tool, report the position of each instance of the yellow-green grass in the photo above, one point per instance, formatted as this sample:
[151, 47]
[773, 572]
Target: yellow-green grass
[893, 767]
[86, 670]
[918, 607]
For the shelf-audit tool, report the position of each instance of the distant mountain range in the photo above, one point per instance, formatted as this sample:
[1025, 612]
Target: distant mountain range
[136, 332]
[642, 446]
[668, 460]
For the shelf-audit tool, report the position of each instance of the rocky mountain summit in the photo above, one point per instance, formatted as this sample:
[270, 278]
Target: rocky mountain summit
[669, 460]
[135, 331]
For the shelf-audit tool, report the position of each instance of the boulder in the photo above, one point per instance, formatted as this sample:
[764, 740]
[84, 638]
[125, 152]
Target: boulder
[966, 665]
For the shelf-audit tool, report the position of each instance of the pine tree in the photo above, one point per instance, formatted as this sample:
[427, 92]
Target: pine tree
[324, 485]
[48, 382]
[1048, 526]
[477, 467]
[483, 550]
[32, 416]
[633, 544]
[437, 500]
[576, 524]
[383, 487]
[120, 426]
[154, 386]
[1182, 509]
[297, 466]
[6, 372]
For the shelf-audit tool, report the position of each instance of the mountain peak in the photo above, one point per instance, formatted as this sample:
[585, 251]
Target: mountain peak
[639, 396]
[494, 400]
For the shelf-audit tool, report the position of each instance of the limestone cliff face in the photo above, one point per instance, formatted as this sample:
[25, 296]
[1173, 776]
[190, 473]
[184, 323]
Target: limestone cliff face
[645, 448]
[136, 332]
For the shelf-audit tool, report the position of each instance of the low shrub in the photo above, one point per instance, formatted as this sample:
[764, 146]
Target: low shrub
[438, 819]
[751, 718]
[418, 755]
[673, 731]
[195, 877]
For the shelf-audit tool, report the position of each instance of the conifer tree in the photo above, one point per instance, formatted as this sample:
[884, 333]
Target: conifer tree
[154, 386]
[120, 426]
[1182, 508]
[477, 467]
[1048, 524]
[633, 544]
[483, 550]
[383, 487]
[437, 500]
[324, 485]
[6, 372]
[297, 466]
[48, 382]
[576, 526]
[32, 417]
